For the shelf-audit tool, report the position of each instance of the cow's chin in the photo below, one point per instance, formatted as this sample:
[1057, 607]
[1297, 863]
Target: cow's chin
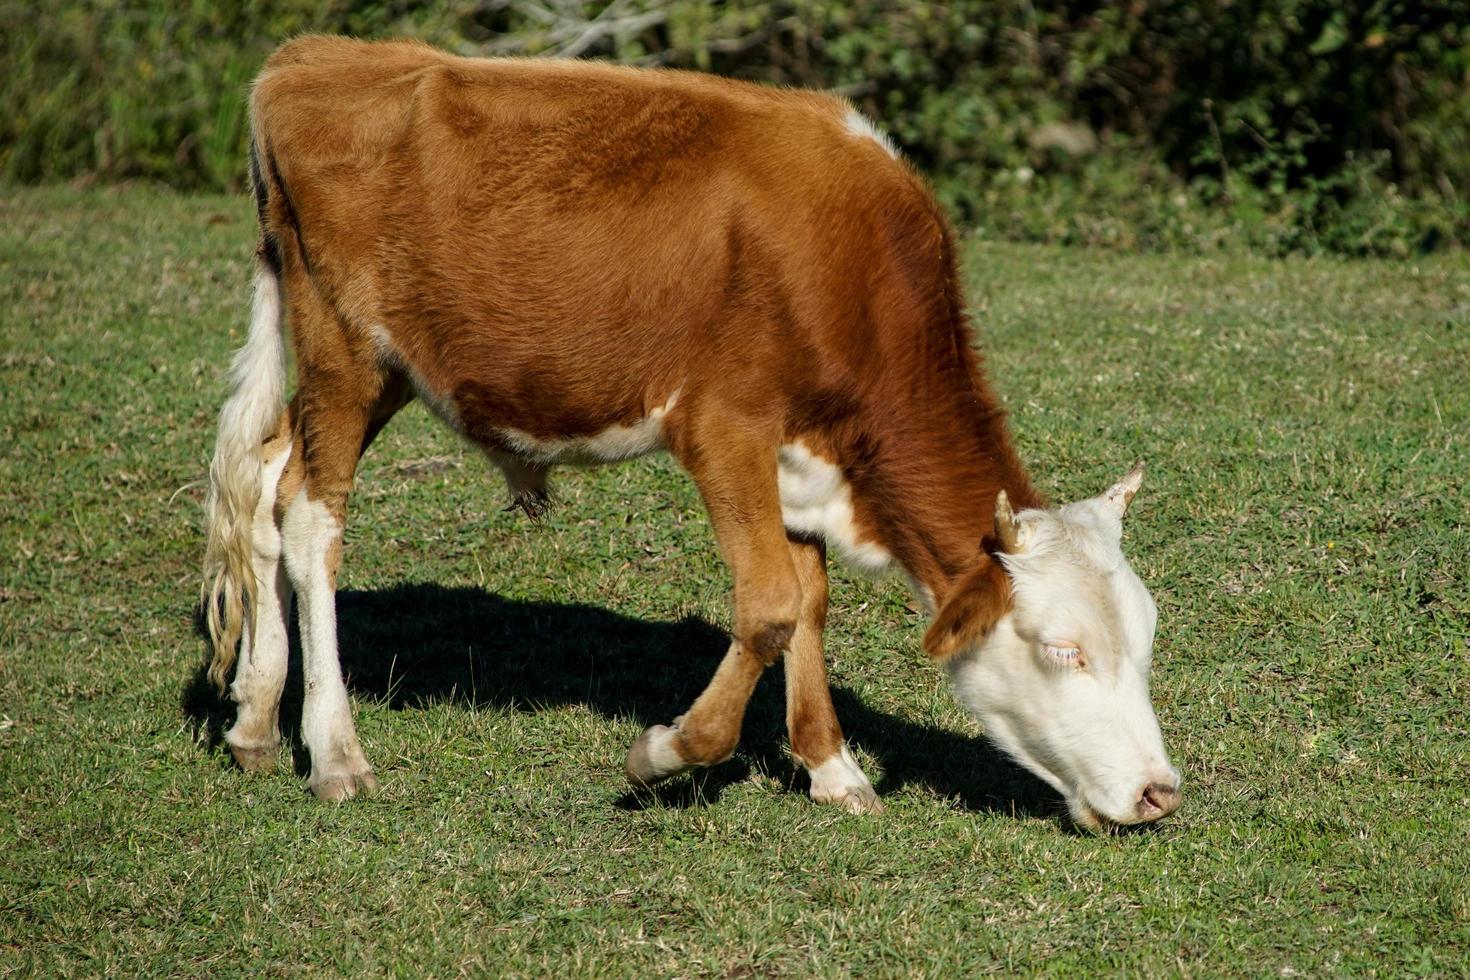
[1084, 813]
[1086, 818]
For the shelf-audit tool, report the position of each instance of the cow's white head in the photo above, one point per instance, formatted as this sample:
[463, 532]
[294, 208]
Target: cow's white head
[1060, 679]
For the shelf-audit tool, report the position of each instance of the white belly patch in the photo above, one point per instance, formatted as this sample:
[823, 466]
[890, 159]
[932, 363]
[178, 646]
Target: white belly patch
[611, 445]
[816, 499]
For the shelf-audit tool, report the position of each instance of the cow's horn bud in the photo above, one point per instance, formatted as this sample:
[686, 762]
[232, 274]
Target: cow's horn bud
[1005, 524]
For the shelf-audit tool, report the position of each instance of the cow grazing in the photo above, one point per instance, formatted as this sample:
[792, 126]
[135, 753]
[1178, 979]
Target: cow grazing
[571, 262]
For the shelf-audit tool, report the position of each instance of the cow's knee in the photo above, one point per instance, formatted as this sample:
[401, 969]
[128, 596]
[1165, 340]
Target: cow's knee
[766, 615]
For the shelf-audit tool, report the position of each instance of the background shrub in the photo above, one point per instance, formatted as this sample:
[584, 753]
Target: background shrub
[1279, 124]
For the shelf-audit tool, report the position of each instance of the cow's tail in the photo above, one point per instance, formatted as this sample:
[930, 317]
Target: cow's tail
[250, 414]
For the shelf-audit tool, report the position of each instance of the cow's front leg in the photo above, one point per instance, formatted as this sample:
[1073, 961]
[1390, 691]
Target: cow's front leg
[707, 733]
[736, 474]
[816, 736]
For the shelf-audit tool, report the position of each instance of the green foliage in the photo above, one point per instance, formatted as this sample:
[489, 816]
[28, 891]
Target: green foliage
[121, 89]
[124, 90]
[1285, 125]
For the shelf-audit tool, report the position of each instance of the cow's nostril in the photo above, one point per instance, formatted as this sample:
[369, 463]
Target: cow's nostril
[1158, 800]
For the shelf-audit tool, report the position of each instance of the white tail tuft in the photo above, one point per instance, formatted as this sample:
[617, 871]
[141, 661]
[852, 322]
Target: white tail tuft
[249, 416]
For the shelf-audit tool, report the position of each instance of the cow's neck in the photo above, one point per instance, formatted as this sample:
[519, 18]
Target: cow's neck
[928, 486]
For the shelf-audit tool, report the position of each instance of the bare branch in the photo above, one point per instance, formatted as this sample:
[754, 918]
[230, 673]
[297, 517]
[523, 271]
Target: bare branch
[566, 30]
[600, 29]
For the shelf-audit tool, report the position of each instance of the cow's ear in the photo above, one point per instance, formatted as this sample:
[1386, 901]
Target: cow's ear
[974, 605]
[1121, 494]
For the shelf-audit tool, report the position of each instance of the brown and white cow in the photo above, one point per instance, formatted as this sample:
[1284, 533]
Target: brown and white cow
[571, 262]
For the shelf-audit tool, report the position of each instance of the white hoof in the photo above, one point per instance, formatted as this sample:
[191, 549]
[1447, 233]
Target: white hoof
[339, 787]
[342, 775]
[840, 781]
[256, 758]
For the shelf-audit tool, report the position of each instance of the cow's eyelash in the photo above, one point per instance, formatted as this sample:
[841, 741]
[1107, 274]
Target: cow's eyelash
[1063, 654]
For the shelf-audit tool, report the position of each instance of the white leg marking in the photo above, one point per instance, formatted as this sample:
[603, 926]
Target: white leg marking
[841, 781]
[255, 738]
[338, 767]
[662, 752]
[653, 757]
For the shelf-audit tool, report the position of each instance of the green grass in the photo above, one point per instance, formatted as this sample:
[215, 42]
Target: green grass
[1307, 426]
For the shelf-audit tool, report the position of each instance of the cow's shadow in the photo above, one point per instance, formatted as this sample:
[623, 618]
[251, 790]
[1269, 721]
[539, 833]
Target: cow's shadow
[412, 645]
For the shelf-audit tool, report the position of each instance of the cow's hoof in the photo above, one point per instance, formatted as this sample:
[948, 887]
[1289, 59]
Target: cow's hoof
[853, 799]
[256, 758]
[653, 758]
[840, 781]
[342, 786]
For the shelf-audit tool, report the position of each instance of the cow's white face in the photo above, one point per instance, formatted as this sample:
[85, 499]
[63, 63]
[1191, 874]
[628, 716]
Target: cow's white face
[1061, 681]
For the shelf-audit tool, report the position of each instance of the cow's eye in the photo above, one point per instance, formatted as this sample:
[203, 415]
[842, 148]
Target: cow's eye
[1064, 654]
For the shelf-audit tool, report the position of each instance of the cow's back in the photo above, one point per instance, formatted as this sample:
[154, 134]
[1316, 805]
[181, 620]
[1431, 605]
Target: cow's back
[594, 233]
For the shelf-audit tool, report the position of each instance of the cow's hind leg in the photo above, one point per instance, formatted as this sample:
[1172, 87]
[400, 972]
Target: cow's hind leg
[738, 484]
[311, 531]
[260, 674]
[816, 736]
[342, 405]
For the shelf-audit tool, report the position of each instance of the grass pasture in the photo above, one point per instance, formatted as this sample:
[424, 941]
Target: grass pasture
[1307, 426]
